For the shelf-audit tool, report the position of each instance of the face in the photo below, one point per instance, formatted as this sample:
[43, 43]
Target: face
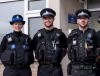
[48, 21]
[83, 22]
[17, 26]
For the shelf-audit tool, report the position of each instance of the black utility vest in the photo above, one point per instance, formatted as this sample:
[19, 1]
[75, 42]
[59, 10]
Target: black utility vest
[49, 47]
[17, 51]
[82, 46]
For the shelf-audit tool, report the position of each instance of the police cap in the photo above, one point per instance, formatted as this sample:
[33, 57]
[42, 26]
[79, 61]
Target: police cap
[47, 12]
[83, 13]
[17, 18]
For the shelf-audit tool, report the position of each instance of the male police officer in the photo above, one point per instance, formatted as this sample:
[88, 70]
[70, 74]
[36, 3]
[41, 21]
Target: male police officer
[81, 50]
[98, 51]
[15, 51]
[50, 46]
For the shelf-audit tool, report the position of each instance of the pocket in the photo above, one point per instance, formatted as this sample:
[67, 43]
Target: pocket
[7, 58]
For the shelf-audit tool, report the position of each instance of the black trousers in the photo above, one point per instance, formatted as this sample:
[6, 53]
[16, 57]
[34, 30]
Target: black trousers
[78, 70]
[98, 70]
[50, 70]
[9, 71]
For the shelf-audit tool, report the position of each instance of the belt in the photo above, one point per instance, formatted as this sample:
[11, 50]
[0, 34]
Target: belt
[18, 67]
[49, 65]
[84, 67]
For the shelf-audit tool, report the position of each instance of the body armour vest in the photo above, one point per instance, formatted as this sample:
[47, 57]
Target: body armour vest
[81, 46]
[48, 48]
[17, 51]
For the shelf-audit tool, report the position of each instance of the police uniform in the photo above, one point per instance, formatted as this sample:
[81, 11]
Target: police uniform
[81, 49]
[98, 51]
[49, 46]
[15, 52]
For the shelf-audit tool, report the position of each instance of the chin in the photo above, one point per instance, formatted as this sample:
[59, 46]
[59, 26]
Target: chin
[17, 30]
[48, 26]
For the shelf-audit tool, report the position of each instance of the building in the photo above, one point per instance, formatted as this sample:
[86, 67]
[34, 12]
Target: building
[30, 9]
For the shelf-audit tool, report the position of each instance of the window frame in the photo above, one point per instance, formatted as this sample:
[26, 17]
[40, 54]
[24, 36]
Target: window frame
[93, 9]
[30, 13]
[2, 1]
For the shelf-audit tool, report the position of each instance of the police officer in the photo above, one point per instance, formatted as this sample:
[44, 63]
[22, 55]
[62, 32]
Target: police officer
[50, 46]
[98, 50]
[81, 49]
[15, 51]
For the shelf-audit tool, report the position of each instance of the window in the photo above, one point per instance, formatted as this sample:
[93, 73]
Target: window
[93, 20]
[35, 23]
[36, 4]
[91, 4]
[94, 7]
[32, 10]
[8, 9]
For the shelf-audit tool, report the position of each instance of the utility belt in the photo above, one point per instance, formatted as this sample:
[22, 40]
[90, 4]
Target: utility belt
[83, 67]
[49, 64]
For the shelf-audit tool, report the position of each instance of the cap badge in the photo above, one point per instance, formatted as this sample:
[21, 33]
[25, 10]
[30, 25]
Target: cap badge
[82, 13]
[17, 17]
[47, 13]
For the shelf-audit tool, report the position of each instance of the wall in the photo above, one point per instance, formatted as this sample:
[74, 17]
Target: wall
[66, 7]
[55, 4]
[62, 8]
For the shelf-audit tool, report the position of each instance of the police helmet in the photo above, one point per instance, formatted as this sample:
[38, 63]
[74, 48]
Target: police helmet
[83, 13]
[17, 18]
[47, 12]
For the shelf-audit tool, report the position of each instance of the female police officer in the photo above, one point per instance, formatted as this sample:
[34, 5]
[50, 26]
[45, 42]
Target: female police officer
[49, 44]
[15, 51]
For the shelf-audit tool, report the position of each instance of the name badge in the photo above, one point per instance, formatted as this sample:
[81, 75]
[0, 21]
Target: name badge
[13, 46]
[74, 42]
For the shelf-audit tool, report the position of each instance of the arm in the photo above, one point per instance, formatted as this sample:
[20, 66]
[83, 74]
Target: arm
[63, 44]
[97, 45]
[69, 46]
[3, 45]
[34, 42]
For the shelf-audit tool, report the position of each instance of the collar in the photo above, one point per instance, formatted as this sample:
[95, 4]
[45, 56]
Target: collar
[18, 34]
[83, 29]
[50, 28]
